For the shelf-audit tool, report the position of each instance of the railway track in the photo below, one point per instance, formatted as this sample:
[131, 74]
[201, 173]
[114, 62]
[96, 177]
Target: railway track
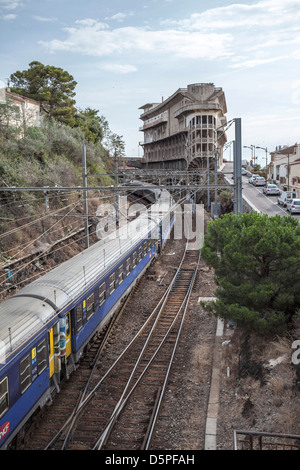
[119, 409]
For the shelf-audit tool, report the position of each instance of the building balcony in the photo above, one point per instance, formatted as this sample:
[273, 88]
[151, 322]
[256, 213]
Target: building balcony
[155, 121]
[196, 107]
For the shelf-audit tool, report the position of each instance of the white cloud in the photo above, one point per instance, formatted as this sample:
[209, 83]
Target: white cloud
[264, 13]
[255, 62]
[91, 23]
[247, 35]
[89, 38]
[118, 68]
[120, 16]
[9, 17]
[266, 30]
[44, 19]
[296, 92]
[10, 4]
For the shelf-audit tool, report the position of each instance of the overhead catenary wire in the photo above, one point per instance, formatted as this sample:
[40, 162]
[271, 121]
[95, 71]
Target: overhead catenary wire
[52, 214]
[14, 272]
[75, 274]
[34, 242]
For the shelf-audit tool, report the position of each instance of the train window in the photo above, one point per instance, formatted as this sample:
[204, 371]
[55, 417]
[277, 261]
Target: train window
[145, 248]
[102, 294]
[112, 283]
[90, 306]
[41, 355]
[121, 273]
[25, 373]
[134, 260]
[128, 267]
[4, 396]
[140, 253]
[79, 313]
[68, 324]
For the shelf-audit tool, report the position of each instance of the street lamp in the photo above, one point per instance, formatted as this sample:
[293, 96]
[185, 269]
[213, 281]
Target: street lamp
[252, 147]
[264, 148]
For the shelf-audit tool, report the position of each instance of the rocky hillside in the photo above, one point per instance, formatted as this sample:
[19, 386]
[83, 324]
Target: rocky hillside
[35, 227]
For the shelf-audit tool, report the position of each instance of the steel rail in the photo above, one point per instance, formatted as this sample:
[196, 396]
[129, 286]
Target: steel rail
[158, 403]
[94, 366]
[81, 405]
[80, 408]
[123, 400]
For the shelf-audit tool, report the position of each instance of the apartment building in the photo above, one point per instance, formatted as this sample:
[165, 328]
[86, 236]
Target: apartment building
[185, 131]
[284, 167]
[24, 111]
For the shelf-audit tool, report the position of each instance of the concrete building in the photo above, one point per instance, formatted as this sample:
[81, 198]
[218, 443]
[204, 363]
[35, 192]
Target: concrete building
[284, 167]
[185, 131]
[295, 176]
[24, 111]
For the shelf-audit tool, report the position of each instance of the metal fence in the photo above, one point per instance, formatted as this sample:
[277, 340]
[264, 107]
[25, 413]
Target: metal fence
[251, 440]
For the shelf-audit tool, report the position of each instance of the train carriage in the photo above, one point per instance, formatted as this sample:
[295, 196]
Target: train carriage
[47, 324]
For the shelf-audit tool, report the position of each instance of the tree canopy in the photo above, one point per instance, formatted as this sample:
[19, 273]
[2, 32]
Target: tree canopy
[256, 259]
[52, 86]
[91, 124]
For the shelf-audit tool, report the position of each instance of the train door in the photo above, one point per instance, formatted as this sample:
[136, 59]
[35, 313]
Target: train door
[68, 334]
[51, 353]
[53, 338]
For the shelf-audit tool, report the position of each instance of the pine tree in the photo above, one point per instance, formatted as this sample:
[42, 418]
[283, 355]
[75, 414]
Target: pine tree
[52, 86]
[256, 259]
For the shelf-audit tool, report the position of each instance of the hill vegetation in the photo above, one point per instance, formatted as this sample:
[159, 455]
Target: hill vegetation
[49, 155]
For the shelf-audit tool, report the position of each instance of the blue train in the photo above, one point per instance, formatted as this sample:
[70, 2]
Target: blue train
[45, 327]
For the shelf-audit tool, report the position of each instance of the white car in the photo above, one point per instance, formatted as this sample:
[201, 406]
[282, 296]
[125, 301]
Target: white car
[271, 189]
[252, 178]
[293, 206]
[285, 196]
[259, 181]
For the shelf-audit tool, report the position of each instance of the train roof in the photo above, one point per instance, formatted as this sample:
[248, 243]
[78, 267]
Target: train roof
[33, 306]
[146, 190]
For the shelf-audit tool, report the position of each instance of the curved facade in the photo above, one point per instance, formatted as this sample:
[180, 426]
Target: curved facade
[185, 131]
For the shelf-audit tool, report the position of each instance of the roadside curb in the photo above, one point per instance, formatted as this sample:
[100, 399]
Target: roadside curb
[213, 403]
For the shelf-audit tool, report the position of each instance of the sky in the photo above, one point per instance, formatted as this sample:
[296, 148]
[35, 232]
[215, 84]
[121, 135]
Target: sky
[124, 54]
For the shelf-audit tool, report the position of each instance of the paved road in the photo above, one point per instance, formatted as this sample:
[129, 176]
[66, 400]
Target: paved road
[265, 204]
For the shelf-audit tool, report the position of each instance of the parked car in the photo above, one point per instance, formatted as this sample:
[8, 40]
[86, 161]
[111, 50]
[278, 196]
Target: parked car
[252, 178]
[259, 181]
[293, 206]
[244, 172]
[271, 189]
[285, 196]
